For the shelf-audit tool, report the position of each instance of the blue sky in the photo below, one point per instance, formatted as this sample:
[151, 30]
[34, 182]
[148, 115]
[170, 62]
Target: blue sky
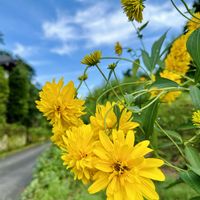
[54, 35]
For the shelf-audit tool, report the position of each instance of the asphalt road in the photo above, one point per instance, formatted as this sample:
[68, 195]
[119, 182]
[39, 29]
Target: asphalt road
[16, 172]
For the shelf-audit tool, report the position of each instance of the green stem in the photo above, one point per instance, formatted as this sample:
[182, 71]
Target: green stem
[115, 75]
[117, 86]
[172, 140]
[107, 81]
[86, 85]
[191, 139]
[154, 100]
[168, 163]
[82, 80]
[187, 8]
[128, 60]
[181, 12]
[141, 41]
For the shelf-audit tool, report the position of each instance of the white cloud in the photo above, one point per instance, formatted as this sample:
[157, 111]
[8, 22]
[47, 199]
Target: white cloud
[22, 50]
[59, 29]
[101, 24]
[164, 16]
[64, 50]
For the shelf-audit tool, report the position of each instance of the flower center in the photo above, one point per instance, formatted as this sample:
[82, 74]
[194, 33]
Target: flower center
[58, 108]
[120, 168]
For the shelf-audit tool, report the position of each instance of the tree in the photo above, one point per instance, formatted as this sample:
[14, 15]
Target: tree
[19, 84]
[4, 92]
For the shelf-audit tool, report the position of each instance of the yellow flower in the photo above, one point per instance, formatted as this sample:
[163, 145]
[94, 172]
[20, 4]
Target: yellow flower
[118, 49]
[106, 119]
[59, 105]
[195, 23]
[58, 133]
[92, 59]
[178, 59]
[171, 96]
[133, 9]
[196, 118]
[79, 143]
[123, 169]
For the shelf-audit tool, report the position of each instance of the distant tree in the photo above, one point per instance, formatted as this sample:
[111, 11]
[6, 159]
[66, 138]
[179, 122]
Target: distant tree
[4, 92]
[19, 84]
[1, 38]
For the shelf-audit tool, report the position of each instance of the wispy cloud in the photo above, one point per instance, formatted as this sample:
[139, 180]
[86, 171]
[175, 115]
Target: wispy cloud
[23, 50]
[101, 24]
[64, 49]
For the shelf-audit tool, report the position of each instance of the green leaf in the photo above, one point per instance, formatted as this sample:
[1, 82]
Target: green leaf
[147, 60]
[192, 156]
[175, 135]
[149, 116]
[197, 75]
[143, 26]
[195, 95]
[129, 99]
[193, 47]
[136, 65]
[197, 171]
[155, 51]
[174, 183]
[195, 198]
[192, 179]
[164, 83]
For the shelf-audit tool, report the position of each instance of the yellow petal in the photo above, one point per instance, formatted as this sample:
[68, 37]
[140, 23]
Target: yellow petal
[152, 173]
[99, 184]
[152, 162]
[105, 141]
[130, 138]
[148, 191]
[105, 167]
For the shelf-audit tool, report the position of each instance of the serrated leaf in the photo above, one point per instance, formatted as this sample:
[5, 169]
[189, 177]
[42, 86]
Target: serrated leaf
[195, 95]
[155, 51]
[192, 156]
[193, 47]
[147, 60]
[136, 65]
[164, 83]
[192, 179]
[149, 116]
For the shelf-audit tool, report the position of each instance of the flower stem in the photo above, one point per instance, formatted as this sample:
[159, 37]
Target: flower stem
[107, 81]
[172, 140]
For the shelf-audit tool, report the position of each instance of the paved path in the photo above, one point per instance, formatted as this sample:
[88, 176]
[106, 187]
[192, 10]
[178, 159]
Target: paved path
[16, 172]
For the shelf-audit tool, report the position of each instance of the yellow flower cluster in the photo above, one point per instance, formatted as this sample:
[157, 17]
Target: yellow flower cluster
[102, 153]
[178, 60]
[196, 118]
[194, 24]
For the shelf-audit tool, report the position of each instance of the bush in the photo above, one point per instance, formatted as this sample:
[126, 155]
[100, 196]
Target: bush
[4, 92]
[38, 134]
[51, 181]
